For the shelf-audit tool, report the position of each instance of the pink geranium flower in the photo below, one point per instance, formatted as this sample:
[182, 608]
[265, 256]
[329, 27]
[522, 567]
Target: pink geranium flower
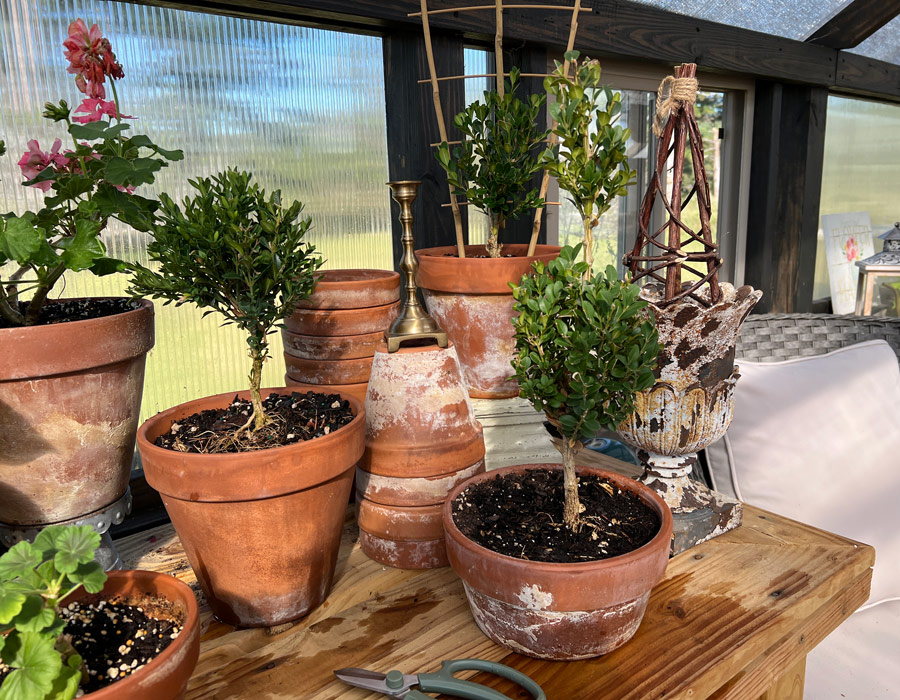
[91, 59]
[851, 249]
[34, 160]
[95, 110]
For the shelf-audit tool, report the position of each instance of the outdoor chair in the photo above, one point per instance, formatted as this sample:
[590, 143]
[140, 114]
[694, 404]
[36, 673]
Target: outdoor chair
[816, 437]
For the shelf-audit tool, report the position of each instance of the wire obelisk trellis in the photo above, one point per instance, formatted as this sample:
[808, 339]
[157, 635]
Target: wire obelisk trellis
[660, 255]
[434, 80]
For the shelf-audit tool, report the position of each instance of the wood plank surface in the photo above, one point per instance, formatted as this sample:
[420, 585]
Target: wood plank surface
[731, 618]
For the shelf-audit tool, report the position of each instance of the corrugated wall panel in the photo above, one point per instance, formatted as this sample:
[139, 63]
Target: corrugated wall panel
[303, 109]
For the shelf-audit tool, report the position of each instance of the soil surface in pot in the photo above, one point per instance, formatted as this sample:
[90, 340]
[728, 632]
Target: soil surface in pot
[115, 639]
[292, 419]
[77, 310]
[521, 515]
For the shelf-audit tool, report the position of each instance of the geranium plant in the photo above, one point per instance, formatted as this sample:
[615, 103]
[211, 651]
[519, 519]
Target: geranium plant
[588, 160]
[493, 165]
[34, 579]
[237, 251]
[84, 185]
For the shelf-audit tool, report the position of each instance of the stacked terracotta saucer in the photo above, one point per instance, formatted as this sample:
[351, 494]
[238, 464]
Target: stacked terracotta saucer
[330, 339]
[422, 439]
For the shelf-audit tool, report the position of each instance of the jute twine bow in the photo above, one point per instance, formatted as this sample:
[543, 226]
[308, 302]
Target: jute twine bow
[673, 92]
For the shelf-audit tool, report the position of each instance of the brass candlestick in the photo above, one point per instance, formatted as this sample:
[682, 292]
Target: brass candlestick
[414, 322]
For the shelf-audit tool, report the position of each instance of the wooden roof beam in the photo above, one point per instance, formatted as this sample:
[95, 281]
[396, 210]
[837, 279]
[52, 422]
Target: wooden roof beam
[853, 23]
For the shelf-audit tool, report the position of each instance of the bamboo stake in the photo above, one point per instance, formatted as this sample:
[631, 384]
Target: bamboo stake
[546, 204]
[482, 75]
[498, 47]
[545, 180]
[471, 8]
[442, 128]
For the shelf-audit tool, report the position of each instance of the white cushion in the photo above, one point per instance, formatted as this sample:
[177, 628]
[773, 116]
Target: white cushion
[860, 660]
[818, 439]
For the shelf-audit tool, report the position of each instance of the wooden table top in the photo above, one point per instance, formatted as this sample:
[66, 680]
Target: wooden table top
[730, 617]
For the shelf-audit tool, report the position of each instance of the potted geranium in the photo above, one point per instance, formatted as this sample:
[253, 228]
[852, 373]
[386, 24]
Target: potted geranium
[66, 627]
[559, 563]
[256, 486]
[470, 297]
[73, 369]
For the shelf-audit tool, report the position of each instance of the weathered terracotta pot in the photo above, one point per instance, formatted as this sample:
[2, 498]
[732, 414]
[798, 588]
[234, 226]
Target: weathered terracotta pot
[422, 491]
[353, 289]
[338, 347]
[165, 677]
[419, 421]
[260, 529]
[70, 399]
[331, 322]
[406, 523]
[559, 611]
[471, 299]
[357, 391]
[355, 371]
[422, 554]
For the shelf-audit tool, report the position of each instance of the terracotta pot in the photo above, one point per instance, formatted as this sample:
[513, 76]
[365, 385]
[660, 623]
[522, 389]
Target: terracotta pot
[328, 371]
[400, 491]
[423, 554]
[333, 322]
[165, 677]
[559, 611]
[353, 289]
[260, 529]
[471, 299]
[338, 347]
[419, 421]
[357, 391]
[70, 398]
[404, 523]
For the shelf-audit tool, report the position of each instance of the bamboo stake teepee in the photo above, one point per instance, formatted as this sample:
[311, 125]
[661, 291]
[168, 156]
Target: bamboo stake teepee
[499, 76]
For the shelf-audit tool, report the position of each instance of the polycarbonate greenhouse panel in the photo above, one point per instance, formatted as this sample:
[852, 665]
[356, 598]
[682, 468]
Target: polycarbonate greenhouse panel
[794, 19]
[302, 109]
[883, 44]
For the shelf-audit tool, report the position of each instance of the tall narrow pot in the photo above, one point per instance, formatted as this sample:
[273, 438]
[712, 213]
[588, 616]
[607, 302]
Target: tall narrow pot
[260, 529]
[471, 299]
[70, 399]
[559, 611]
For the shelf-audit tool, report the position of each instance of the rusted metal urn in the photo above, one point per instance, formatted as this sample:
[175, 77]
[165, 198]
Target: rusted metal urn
[689, 407]
[471, 299]
[165, 677]
[331, 337]
[70, 400]
[260, 529]
[422, 439]
[559, 611]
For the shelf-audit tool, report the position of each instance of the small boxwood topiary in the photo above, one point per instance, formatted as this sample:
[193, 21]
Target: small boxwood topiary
[233, 250]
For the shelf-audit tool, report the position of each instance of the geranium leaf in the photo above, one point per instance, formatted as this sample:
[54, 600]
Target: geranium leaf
[75, 546]
[36, 664]
[11, 603]
[91, 575]
[19, 560]
[34, 617]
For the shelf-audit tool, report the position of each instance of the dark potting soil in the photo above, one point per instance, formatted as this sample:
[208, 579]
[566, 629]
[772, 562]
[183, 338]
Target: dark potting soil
[521, 515]
[77, 310]
[294, 418]
[115, 639]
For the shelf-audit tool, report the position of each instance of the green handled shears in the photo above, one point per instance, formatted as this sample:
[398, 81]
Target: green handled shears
[398, 685]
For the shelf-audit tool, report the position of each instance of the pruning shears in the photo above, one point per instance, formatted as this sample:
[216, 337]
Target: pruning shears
[396, 684]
